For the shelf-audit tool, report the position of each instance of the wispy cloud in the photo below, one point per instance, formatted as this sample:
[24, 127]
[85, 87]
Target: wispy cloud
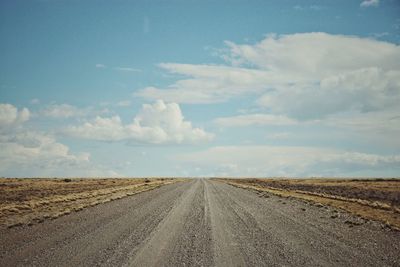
[254, 119]
[369, 3]
[127, 69]
[311, 7]
[291, 161]
[100, 66]
[279, 136]
[379, 34]
[35, 101]
[124, 103]
[65, 111]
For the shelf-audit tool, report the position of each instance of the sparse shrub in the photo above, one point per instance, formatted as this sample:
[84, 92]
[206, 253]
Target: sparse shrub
[67, 180]
[147, 181]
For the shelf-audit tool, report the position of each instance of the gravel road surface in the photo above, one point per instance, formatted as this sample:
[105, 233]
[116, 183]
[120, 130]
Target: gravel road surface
[202, 223]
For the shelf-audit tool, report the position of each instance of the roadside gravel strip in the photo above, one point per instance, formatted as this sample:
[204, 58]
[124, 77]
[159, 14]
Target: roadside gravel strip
[201, 223]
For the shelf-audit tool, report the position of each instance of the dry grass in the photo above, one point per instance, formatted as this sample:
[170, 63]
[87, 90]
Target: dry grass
[375, 199]
[29, 201]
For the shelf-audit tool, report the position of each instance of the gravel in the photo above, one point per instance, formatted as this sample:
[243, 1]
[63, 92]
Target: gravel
[202, 223]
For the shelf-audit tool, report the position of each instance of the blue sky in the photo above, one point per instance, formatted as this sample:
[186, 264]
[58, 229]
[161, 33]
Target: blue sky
[199, 88]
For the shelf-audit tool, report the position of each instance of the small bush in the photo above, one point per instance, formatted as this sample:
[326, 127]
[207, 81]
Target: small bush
[67, 180]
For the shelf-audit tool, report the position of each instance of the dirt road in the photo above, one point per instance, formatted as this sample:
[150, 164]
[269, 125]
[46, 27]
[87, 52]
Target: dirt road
[201, 223]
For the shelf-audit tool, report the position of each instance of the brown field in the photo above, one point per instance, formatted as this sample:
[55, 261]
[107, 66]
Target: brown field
[32, 200]
[375, 199]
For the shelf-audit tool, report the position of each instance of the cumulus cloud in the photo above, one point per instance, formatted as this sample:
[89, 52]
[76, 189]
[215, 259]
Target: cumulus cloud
[34, 154]
[10, 115]
[368, 3]
[362, 90]
[303, 76]
[324, 73]
[26, 146]
[317, 79]
[267, 161]
[157, 123]
[27, 153]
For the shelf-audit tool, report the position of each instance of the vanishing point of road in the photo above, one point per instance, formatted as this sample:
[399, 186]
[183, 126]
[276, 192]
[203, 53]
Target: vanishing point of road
[201, 223]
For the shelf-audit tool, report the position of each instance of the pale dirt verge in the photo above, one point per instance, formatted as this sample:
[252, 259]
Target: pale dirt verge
[31, 201]
[371, 210]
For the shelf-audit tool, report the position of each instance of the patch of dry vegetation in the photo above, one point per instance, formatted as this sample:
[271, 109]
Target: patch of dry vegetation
[375, 199]
[32, 200]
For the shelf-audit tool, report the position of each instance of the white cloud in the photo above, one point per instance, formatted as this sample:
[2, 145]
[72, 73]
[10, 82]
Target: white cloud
[368, 3]
[126, 69]
[374, 122]
[339, 73]
[26, 146]
[379, 34]
[280, 136]
[65, 111]
[158, 123]
[311, 7]
[27, 153]
[364, 90]
[35, 101]
[315, 55]
[180, 95]
[304, 76]
[210, 84]
[33, 154]
[254, 119]
[124, 103]
[267, 161]
[380, 127]
[299, 78]
[10, 115]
